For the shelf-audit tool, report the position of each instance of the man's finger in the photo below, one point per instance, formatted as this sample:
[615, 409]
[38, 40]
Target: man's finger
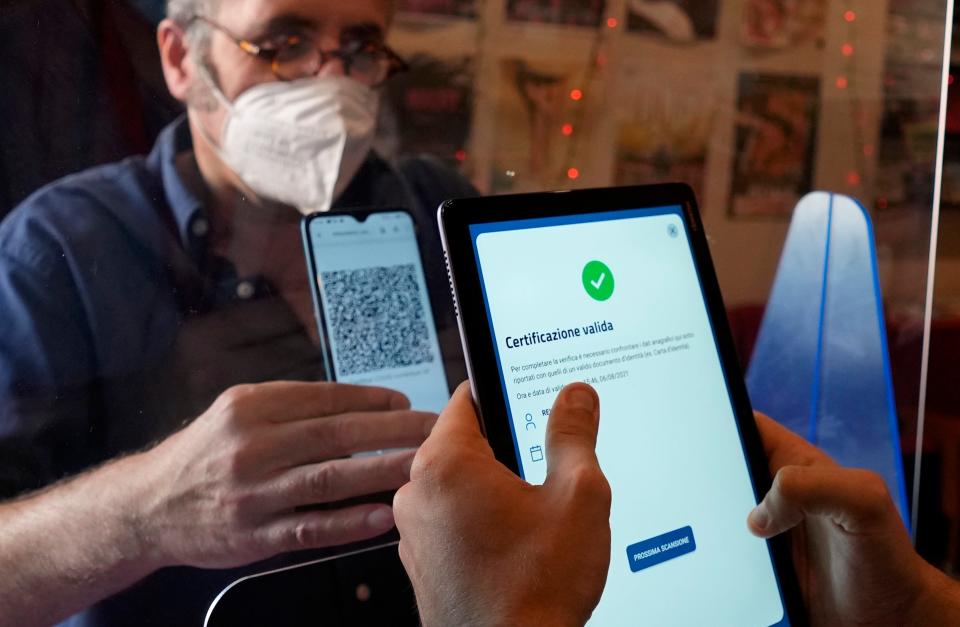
[783, 447]
[856, 500]
[456, 433]
[312, 441]
[286, 401]
[405, 508]
[458, 421]
[572, 429]
[320, 529]
[337, 480]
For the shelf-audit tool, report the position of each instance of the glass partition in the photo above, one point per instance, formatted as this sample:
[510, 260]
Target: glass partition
[134, 296]
[940, 496]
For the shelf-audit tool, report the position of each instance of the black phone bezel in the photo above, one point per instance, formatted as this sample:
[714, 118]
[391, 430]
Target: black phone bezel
[456, 217]
[361, 215]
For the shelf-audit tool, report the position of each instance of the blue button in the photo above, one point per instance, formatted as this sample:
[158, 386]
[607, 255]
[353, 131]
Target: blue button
[661, 549]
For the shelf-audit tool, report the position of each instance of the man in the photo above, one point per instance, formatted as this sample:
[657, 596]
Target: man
[482, 547]
[134, 295]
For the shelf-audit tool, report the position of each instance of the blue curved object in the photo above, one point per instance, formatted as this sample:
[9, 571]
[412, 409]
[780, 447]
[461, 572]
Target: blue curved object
[821, 365]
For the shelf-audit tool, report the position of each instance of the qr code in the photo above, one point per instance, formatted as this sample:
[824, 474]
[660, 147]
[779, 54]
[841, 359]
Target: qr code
[377, 319]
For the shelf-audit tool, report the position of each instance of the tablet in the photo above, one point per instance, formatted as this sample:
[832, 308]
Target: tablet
[616, 288]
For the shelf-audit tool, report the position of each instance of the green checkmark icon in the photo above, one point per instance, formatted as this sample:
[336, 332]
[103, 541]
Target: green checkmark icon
[598, 281]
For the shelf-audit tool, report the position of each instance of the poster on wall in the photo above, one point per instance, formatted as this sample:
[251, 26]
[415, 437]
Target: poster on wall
[950, 198]
[434, 94]
[908, 139]
[451, 8]
[775, 143]
[665, 139]
[569, 12]
[538, 126]
[681, 21]
[776, 24]
[911, 109]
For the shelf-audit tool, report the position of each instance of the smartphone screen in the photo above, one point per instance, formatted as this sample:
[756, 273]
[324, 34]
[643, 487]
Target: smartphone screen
[614, 299]
[374, 309]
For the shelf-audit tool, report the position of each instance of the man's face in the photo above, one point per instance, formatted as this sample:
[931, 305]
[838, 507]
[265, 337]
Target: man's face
[332, 24]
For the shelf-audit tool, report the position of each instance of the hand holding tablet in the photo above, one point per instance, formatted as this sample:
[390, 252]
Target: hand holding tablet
[616, 288]
[555, 536]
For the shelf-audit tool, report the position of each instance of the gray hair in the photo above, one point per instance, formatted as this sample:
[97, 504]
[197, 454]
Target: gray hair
[197, 34]
[183, 11]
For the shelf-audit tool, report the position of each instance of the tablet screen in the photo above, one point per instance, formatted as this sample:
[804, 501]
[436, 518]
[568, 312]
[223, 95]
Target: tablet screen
[614, 299]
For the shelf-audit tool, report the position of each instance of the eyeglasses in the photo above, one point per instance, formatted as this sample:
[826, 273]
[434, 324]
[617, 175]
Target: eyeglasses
[295, 57]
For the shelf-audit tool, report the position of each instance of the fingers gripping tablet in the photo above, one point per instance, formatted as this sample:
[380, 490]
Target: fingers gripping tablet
[615, 288]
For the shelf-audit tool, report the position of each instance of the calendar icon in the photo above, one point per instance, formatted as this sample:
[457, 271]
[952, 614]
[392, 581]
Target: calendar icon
[536, 453]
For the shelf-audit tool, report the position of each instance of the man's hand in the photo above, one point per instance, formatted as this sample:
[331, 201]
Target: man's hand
[483, 547]
[852, 554]
[226, 490]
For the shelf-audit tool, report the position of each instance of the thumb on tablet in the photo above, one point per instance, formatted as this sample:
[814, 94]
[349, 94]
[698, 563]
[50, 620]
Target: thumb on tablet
[572, 433]
[458, 421]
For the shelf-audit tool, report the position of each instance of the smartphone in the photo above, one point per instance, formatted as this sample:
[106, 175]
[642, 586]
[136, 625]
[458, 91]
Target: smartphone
[373, 310]
[616, 288]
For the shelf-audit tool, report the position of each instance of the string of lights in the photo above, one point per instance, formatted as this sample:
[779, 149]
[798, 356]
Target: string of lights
[848, 81]
[596, 63]
[858, 177]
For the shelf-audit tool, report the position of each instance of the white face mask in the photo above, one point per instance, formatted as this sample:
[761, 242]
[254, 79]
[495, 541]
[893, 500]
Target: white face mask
[300, 142]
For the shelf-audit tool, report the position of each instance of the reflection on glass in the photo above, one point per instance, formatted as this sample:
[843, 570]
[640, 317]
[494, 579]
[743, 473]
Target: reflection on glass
[752, 102]
[146, 311]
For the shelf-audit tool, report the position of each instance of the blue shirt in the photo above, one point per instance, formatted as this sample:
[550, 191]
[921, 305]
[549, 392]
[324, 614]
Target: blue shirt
[106, 280]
